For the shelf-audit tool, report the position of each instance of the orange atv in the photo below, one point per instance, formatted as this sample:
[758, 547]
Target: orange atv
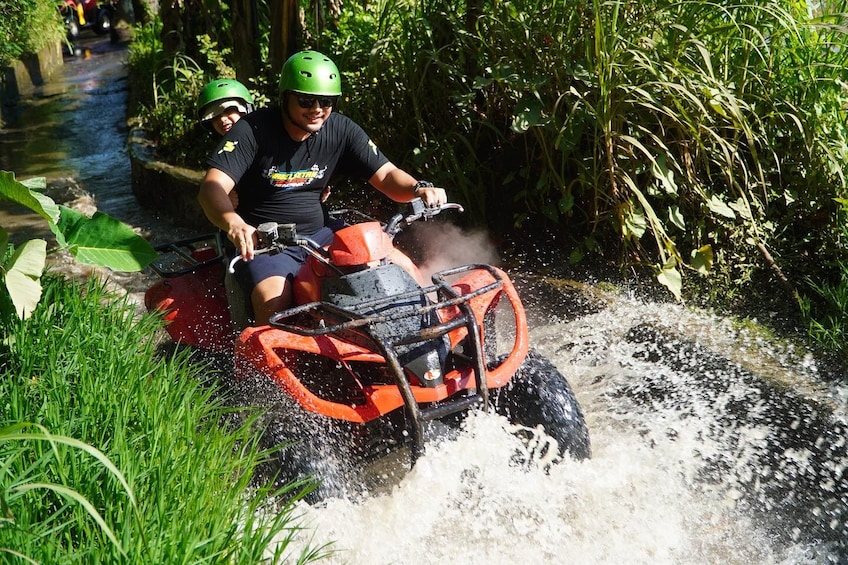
[372, 358]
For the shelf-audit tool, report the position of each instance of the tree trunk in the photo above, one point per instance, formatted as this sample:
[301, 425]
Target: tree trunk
[184, 21]
[144, 10]
[285, 33]
[120, 30]
[473, 11]
[326, 14]
[172, 27]
[245, 38]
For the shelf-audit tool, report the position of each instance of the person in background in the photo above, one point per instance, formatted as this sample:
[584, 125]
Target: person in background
[282, 159]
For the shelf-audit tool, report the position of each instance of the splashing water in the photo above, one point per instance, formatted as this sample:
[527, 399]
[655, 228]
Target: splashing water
[709, 445]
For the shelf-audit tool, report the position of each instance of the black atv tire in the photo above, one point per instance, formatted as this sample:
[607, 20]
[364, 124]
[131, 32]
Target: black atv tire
[72, 29]
[103, 23]
[306, 446]
[539, 395]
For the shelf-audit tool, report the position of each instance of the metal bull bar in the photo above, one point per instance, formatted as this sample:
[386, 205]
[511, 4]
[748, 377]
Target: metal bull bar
[359, 321]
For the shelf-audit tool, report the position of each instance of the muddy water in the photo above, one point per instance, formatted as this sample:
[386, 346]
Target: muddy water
[711, 444]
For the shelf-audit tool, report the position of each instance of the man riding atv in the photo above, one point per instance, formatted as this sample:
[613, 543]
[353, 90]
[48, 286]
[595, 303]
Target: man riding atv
[85, 14]
[281, 159]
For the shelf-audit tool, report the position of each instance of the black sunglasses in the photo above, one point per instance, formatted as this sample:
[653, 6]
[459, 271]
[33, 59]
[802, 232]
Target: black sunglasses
[323, 101]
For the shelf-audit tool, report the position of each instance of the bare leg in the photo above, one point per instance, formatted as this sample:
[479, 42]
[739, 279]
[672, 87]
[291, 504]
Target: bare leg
[271, 295]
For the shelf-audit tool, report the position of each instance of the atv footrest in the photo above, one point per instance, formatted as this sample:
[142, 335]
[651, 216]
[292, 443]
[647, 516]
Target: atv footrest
[442, 410]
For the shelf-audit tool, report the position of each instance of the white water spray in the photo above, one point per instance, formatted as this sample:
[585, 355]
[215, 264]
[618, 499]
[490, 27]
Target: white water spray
[670, 481]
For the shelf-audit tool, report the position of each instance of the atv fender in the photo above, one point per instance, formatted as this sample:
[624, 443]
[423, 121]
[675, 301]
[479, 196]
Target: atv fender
[282, 355]
[195, 307]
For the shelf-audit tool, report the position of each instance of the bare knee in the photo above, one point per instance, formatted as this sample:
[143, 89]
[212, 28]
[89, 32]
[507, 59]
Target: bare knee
[270, 296]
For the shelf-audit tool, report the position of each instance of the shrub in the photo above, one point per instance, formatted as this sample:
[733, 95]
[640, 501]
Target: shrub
[27, 26]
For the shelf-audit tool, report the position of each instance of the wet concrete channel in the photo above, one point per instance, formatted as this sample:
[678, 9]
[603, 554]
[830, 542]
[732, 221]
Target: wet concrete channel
[75, 126]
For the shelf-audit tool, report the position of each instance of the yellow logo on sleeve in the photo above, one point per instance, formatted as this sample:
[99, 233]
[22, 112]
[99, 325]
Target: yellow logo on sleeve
[228, 147]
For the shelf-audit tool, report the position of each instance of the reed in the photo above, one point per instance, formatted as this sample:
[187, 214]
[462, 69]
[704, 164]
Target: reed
[130, 461]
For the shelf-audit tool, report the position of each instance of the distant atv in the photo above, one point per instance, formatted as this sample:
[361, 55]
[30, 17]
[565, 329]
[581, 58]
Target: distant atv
[371, 355]
[79, 15]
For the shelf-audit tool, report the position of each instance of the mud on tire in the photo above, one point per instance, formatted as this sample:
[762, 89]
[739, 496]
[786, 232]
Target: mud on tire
[539, 395]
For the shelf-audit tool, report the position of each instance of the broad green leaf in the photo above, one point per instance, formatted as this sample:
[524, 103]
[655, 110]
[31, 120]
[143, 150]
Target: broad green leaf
[23, 274]
[788, 197]
[13, 190]
[29, 258]
[741, 208]
[104, 241]
[715, 101]
[663, 174]
[702, 259]
[483, 82]
[635, 223]
[566, 203]
[576, 256]
[719, 207]
[528, 113]
[4, 242]
[670, 277]
[35, 183]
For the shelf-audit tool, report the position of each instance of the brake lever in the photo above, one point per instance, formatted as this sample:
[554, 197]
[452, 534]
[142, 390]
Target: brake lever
[231, 267]
[426, 212]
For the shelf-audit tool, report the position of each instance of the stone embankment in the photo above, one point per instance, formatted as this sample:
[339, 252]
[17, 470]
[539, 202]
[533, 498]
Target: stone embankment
[160, 186]
[30, 72]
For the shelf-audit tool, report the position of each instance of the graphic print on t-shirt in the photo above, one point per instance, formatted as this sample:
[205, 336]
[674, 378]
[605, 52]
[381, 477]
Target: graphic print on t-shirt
[288, 180]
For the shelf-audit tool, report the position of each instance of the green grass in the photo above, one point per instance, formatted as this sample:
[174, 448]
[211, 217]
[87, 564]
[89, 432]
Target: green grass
[113, 453]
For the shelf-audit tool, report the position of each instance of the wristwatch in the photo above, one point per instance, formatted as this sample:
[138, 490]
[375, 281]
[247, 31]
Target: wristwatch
[419, 185]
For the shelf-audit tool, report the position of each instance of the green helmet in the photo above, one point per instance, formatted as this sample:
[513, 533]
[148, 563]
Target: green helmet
[310, 72]
[222, 93]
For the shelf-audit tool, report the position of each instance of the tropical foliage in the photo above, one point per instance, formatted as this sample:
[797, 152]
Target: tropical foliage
[99, 240]
[134, 458]
[26, 26]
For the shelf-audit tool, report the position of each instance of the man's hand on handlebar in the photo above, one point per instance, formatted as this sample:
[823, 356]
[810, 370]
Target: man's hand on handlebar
[242, 236]
[431, 195]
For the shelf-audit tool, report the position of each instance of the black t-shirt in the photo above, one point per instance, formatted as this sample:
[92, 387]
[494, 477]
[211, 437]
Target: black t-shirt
[281, 180]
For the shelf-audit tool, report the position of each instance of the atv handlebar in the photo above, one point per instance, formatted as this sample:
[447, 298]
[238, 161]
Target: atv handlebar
[417, 210]
[274, 238]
